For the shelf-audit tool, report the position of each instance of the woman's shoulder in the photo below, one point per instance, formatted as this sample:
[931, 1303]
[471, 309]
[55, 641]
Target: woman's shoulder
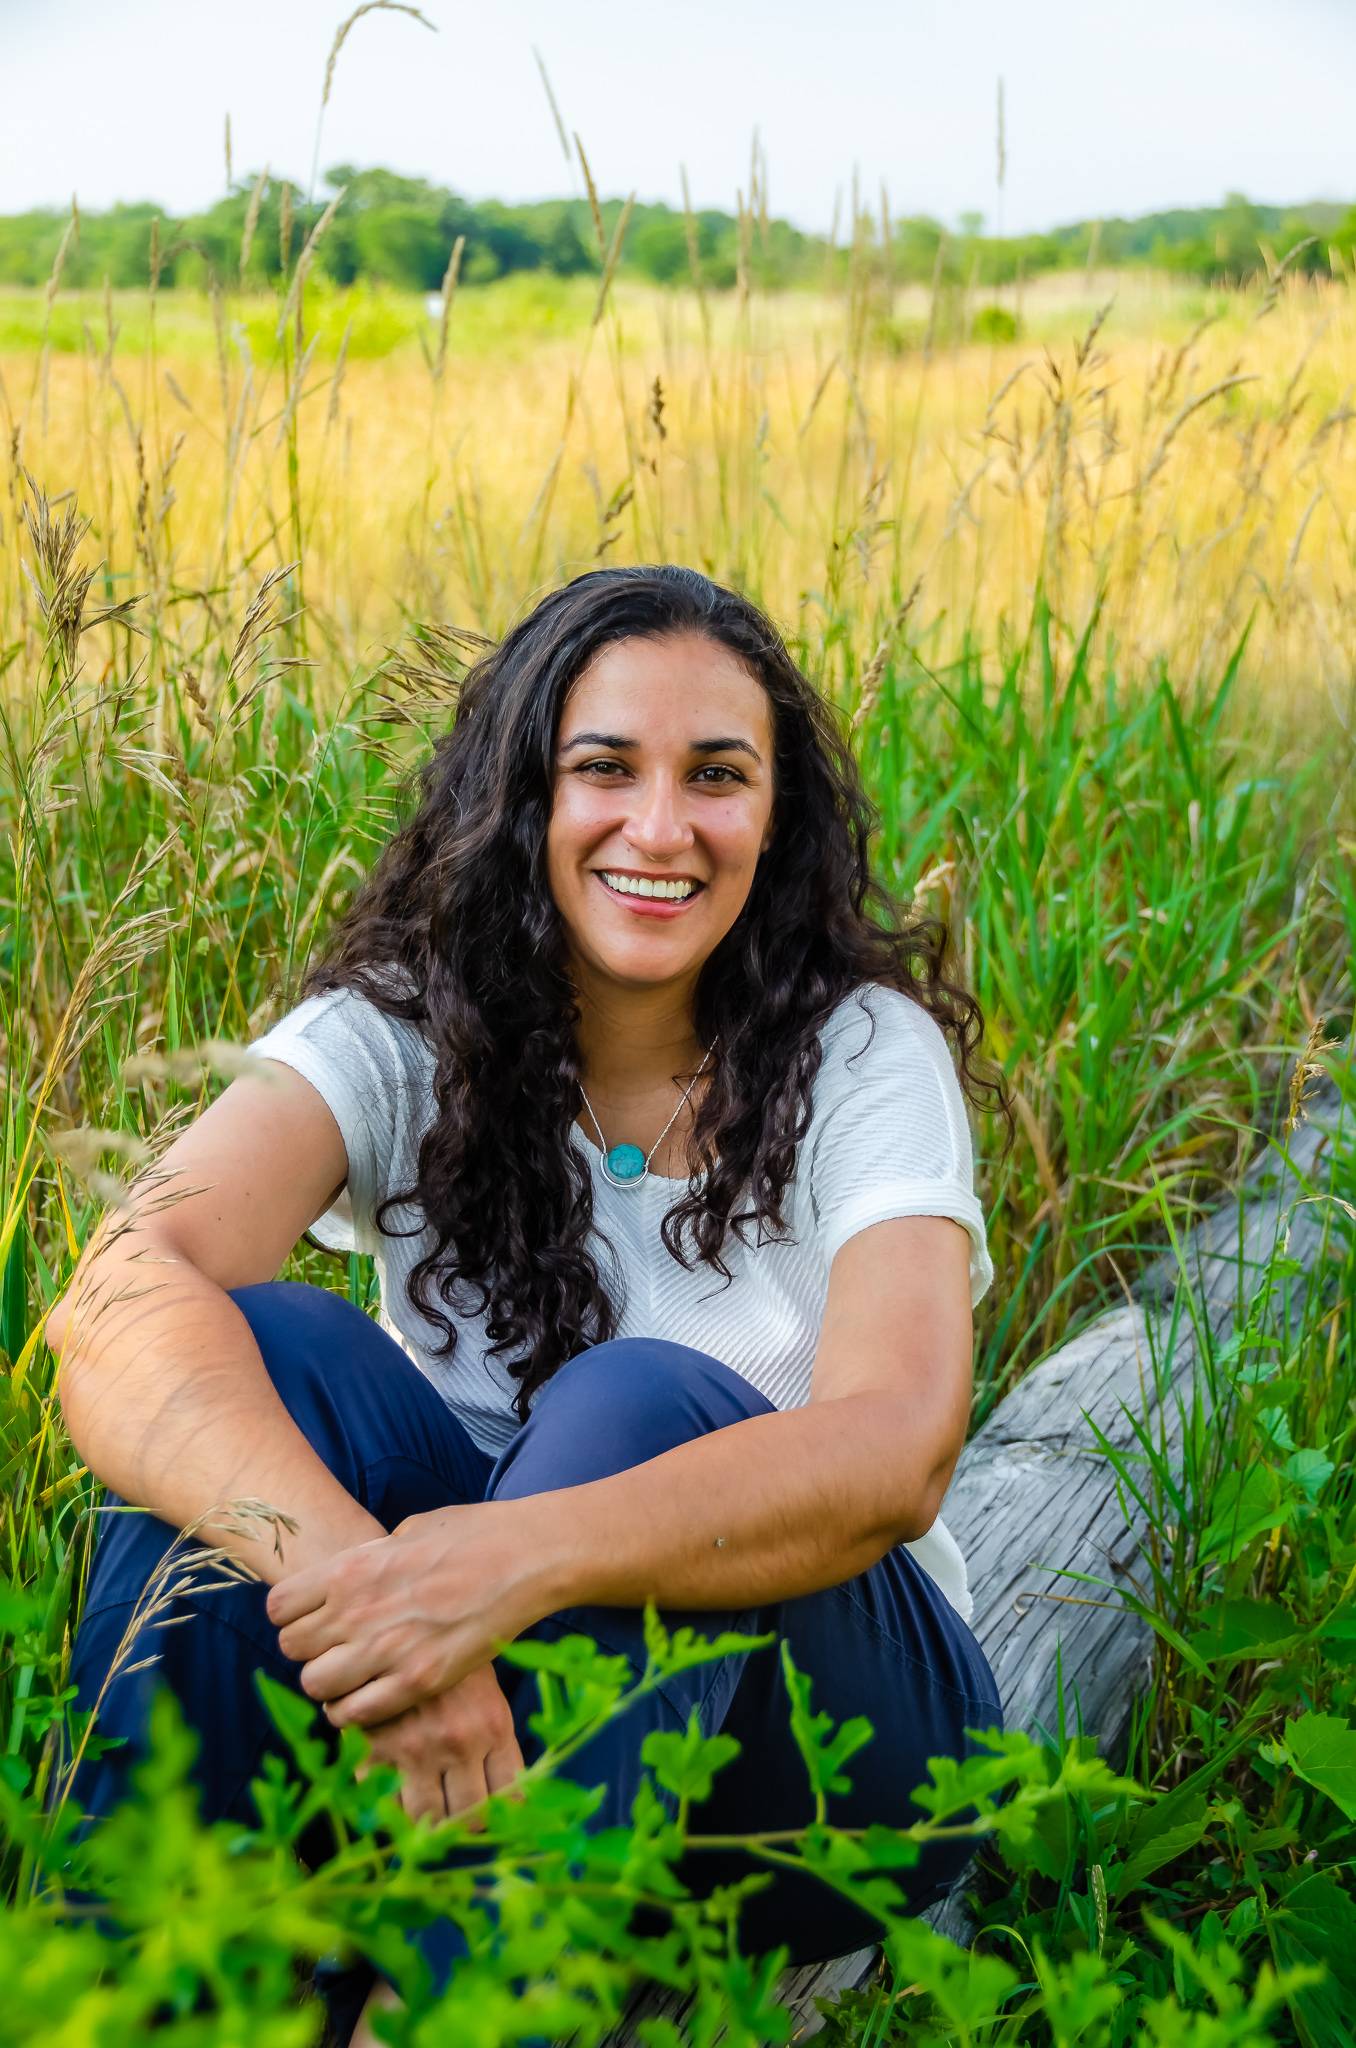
[346, 1024]
[886, 1066]
[889, 1131]
[873, 1024]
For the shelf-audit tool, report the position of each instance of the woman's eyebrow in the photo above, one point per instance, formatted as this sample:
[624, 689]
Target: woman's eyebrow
[728, 745]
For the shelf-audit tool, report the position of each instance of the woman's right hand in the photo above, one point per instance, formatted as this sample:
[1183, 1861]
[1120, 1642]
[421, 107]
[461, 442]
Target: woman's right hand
[454, 1749]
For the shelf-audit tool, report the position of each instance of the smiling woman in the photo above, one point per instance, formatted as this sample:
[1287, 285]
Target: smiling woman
[652, 845]
[668, 826]
[721, 1363]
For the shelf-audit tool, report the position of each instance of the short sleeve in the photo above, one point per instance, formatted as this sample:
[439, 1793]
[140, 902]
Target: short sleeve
[349, 1051]
[888, 1134]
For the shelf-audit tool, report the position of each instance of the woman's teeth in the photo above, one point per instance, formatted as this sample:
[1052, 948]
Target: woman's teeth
[642, 885]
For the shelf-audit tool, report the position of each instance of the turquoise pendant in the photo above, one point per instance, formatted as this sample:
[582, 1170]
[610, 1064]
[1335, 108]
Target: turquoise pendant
[626, 1162]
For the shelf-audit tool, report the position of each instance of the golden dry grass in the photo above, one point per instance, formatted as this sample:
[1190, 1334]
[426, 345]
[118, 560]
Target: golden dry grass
[1187, 475]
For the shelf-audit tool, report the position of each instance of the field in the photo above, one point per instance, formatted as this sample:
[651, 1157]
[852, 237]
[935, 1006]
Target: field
[1085, 598]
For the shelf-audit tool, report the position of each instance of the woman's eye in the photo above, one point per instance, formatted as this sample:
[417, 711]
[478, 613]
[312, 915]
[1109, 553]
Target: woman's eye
[722, 774]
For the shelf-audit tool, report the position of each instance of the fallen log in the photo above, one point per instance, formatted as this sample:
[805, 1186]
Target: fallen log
[1034, 1498]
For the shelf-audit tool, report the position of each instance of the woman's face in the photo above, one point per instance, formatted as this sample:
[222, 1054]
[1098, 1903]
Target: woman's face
[662, 804]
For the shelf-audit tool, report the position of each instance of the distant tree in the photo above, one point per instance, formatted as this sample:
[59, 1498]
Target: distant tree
[658, 249]
[28, 245]
[560, 241]
[402, 230]
[917, 238]
[401, 246]
[1237, 229]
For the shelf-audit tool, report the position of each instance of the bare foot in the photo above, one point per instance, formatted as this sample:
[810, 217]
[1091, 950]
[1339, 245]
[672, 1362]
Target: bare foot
[382, 1999]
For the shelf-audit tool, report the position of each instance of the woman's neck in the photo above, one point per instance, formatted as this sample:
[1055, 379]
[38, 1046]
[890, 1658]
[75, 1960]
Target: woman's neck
[634, 1039]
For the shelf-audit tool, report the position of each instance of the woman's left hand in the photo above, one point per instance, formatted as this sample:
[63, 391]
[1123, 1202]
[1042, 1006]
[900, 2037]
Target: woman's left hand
[386, 1624]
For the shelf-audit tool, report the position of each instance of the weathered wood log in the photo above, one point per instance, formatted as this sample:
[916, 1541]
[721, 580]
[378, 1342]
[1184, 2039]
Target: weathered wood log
[1033, 1496]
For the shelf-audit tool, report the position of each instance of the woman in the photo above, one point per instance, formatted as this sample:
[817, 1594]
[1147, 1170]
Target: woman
[655, 1083]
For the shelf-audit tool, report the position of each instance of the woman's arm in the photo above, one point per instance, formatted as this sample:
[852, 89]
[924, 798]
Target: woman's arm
[802, 1499]
[764, 1509]
[167, 1397]
[779, 1505]
[161, 1383]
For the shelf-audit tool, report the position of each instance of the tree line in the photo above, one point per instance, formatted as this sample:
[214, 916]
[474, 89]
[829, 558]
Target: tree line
[399, 231]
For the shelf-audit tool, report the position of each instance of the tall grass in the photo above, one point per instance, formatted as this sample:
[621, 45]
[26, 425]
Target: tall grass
[1087, 609]
[1171, 484]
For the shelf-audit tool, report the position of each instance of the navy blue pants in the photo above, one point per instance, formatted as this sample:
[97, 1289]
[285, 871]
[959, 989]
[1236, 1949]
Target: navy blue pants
[886, 1643]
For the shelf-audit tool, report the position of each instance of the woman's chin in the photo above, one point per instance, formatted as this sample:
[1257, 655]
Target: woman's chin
[652, 973]
[646, 965]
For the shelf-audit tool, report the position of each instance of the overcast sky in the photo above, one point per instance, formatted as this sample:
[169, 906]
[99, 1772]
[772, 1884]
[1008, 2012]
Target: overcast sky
[1111, 108]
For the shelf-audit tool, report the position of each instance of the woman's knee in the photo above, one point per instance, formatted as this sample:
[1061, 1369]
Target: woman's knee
[617, 1405]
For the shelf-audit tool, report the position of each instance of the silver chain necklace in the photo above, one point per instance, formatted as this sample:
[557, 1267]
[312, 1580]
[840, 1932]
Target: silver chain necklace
[626, 1166]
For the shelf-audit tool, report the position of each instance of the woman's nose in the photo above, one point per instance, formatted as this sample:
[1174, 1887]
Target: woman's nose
[658, 823]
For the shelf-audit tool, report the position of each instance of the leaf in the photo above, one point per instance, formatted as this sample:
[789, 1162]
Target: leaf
[686, 1764]
[1010, 1785]
[885, 1848]
[1322, 1750]
[1245, 1917]
[1310, 1470]
[19, 1610]
[684, 1650]
[967, 1989]
[15, 1772]
[1045, 1841]
[658, 2033]
[577, 1683]
[1275, 1424]
[822, 1750]
[1215, 1966]
[1077, 1995]
[1254, 1371]
[854, 1870]
[291, 1712]
[749, 1996]
[1244, 1628]
[1338, 1638]
[1160, 1833]
[1316, 1923]
[1248, 1503]
[573, 1658]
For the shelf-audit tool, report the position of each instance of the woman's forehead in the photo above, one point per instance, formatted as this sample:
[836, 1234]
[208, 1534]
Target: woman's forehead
[676, 680]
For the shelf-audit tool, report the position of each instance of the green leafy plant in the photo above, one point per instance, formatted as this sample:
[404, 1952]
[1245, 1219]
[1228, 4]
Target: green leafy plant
[149, 1911]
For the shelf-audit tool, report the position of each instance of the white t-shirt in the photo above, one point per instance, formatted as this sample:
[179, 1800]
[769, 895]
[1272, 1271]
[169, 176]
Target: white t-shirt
[888, 1136]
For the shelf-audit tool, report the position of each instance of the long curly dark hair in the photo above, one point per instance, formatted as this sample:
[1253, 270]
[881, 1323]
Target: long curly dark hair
[458, 899]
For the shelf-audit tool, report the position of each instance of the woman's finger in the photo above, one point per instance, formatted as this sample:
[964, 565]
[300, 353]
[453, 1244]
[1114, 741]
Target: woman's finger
[341, 1670]
[463, 1786]
[421, 1791]
[503, 1765]
[381, 1699]
[298, 1594]
[316, 1632]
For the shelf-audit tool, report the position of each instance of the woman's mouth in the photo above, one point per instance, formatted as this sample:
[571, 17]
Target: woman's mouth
[650, 895]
